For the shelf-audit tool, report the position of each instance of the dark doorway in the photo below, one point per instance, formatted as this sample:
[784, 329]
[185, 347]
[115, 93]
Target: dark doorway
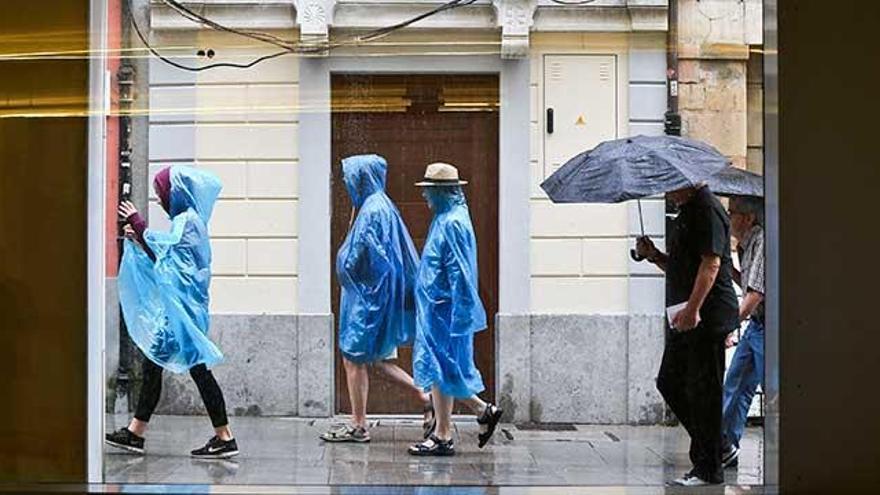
[413, 120]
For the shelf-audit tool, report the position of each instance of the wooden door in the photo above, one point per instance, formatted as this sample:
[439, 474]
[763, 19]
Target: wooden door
[412, 121]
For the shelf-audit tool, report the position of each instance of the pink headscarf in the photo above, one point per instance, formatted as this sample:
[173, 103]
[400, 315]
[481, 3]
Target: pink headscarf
[162, 185]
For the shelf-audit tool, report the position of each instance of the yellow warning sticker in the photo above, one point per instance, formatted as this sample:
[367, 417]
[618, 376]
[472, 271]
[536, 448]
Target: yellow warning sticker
[580, 120]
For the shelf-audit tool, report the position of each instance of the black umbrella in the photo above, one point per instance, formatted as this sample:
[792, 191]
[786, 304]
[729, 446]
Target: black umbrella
[732, 181]
[633, 168]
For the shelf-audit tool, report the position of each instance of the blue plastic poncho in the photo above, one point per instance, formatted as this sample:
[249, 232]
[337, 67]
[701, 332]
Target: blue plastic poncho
[376, 266]
[165, 302]
[448, 306]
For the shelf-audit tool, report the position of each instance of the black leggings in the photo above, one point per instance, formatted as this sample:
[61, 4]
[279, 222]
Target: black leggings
[211, 394]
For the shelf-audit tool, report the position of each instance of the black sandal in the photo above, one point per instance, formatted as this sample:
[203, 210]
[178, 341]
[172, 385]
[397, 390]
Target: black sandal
[430, 425]
[490, 419]
[438, 448]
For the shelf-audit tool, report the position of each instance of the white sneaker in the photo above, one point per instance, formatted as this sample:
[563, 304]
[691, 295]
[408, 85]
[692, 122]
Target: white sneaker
[690, 480]
[730, 457]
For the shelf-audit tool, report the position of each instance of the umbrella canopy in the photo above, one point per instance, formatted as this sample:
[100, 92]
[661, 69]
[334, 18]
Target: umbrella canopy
[736, 182]
[633, 168]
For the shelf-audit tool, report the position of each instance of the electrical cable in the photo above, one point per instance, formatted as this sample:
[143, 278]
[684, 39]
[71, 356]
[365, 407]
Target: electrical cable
[389, 29]
[178, 65]
[188, 13]
[290, 47]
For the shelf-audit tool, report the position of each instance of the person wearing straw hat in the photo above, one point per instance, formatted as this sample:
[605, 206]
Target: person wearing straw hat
[448, 314]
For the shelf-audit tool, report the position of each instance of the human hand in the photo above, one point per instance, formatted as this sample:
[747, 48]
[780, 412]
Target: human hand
[686, 320]
[730, 341]
[128, 232]
[645, 247]
[126, 209]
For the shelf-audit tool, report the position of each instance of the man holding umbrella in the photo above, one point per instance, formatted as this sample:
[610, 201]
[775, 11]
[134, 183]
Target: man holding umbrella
[698, 270]
[699, 273]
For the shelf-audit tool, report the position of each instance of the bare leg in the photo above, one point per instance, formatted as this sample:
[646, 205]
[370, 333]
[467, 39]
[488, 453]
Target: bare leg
[443, 409]
[138, 427]
[397, 375]
[358, 391]
[479, 407]
[476, 405]
[223, 433]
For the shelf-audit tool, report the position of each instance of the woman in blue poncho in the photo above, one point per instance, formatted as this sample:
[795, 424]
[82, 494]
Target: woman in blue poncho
[163, 289]
[376, 266]
[448, 313]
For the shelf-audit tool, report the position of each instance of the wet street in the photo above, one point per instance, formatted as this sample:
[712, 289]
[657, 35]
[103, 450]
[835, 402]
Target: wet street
[282, 451]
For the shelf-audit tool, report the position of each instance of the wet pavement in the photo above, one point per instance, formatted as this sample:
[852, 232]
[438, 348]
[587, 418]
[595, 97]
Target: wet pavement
[287, 451]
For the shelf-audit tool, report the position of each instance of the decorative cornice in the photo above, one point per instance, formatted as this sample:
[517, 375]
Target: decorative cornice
[314, 18]
[515, 18]
[238, 14]
[648, 18]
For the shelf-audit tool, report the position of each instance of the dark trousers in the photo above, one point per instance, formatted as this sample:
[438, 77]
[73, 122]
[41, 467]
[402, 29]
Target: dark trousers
[210, 391]
[690, 380]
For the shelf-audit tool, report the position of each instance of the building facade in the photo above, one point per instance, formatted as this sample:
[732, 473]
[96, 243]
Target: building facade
[578, 326]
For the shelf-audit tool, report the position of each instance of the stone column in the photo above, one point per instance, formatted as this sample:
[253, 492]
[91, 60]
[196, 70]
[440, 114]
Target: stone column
[713, 57]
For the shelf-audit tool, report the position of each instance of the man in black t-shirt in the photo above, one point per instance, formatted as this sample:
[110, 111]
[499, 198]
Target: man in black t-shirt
[699, 273]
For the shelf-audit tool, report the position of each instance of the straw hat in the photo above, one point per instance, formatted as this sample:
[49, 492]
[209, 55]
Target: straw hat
[441, 174]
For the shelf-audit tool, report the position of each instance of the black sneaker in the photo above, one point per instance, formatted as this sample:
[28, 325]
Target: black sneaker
[216, 449]
[124, 439]
[730, 457]
[488, 421]
[690, 479]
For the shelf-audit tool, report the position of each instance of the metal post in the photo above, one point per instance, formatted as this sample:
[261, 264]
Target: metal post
[125, 78]
[672, 120]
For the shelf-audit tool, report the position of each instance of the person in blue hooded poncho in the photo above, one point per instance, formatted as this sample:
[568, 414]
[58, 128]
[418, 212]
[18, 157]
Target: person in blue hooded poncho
[376, 267]
[163, 290]
[448, 313]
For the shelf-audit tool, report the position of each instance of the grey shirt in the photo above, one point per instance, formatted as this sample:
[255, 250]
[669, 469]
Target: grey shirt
[751, 255]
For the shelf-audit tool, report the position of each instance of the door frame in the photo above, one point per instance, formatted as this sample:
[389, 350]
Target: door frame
[482, 173]
[514, 178]
[99, 82]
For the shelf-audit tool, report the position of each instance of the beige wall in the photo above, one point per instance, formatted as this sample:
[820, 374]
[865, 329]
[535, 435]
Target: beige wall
[579, 252]
[242, 125]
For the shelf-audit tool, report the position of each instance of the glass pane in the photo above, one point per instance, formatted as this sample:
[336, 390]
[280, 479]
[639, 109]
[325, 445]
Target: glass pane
[345, 206]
